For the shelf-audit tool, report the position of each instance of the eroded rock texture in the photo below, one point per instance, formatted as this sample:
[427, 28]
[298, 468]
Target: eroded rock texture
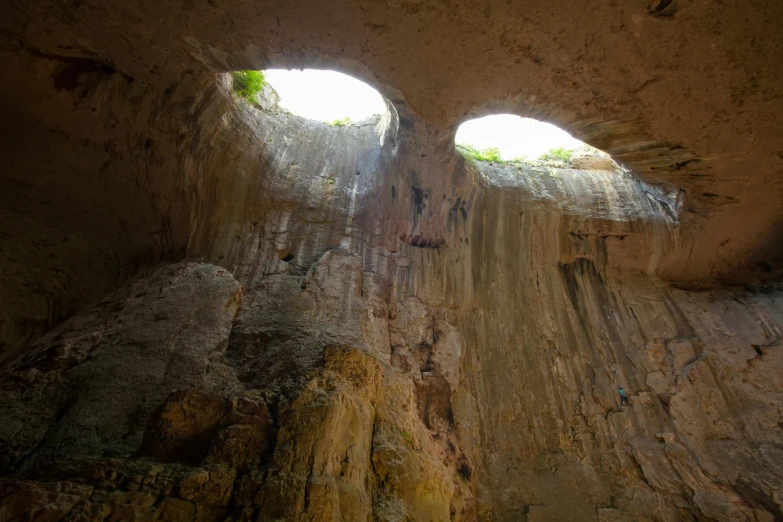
[213, 311]
[190, 441]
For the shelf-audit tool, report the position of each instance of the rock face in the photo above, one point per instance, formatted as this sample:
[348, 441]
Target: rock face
[350, 446]
[212, 311]
[88, 386]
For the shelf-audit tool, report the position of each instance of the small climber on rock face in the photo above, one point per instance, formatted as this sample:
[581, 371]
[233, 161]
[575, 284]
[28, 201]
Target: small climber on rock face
[623, 397]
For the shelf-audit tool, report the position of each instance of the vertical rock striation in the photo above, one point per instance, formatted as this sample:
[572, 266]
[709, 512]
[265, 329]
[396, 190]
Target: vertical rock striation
[351, 370]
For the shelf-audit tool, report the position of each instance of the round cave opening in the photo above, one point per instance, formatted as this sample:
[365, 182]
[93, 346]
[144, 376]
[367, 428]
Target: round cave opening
[508, 138]
[322, 95]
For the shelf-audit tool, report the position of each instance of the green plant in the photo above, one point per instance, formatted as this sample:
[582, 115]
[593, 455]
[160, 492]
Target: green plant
[560, 153]
[248, 84]
[407, 436]
[340, 123]
[490, 154]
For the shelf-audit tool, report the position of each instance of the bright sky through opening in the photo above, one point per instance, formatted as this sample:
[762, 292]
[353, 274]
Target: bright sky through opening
[515, 137]
[329, 95]
[325, 95]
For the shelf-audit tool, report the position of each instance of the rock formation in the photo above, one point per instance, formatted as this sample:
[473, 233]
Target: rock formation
[217, 311]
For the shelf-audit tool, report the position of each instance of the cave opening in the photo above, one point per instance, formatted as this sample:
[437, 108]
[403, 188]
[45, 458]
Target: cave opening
[547, 164]
[508, 138]
[321, 95]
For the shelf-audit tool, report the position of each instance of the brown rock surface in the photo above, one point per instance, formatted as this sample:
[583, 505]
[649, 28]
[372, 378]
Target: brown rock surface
[88, 387]
[369, 326]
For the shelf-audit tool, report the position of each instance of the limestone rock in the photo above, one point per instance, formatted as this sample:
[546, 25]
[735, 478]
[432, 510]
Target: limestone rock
[320, 469]
[214, 312]
[161, 332]
[268, 98]
[183, 428]
[211, 486]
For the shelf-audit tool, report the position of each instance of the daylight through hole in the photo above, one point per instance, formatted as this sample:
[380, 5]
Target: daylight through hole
[510, 138]
[327, 96]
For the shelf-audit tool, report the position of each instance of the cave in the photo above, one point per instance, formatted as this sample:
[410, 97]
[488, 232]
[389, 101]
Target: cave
[216, 310]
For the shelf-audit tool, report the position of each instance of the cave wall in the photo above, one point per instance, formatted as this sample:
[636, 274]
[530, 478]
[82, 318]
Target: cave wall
[555, 327]
[685, 99]
[101, 175]
[498, 309]
[369, 325]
